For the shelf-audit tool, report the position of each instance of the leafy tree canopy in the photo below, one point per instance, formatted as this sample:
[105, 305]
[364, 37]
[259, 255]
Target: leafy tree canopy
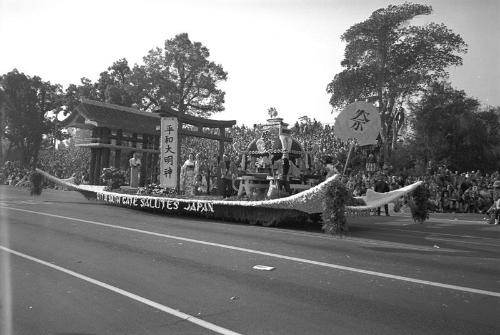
[113, 86]
[180, 77]
[25, 103]
[389, 61]
[449, 128]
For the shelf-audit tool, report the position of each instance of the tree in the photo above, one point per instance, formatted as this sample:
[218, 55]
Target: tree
[113, 86]
[25, 103]
[179, 77]
[390, 62]
[116, 84]
[449, 128]
[74, 93]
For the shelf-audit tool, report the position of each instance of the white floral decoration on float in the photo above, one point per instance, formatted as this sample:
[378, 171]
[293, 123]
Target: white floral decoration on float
[309, 201]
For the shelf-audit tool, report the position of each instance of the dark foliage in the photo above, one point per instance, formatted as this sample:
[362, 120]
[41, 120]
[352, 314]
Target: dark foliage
[419, 204]
[336, 198]
[113, 178]
[36, 180]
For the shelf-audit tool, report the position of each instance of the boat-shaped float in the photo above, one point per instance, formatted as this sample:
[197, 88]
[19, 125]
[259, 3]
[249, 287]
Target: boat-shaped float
[298, 207]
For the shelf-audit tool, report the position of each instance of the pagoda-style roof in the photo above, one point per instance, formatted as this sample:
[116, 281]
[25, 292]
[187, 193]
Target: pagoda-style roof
[90, 114]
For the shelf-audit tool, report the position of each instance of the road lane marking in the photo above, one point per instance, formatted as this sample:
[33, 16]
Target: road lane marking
[432, 238]
[279, 256]
[426, 232]
[377, 243]
[151, 303]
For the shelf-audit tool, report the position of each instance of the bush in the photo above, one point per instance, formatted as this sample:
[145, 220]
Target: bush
[419, 204]
[156, 189]
[113, 178]
[336, 198]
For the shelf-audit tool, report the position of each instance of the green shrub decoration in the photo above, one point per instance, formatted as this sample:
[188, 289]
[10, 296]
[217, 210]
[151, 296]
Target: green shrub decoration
[113, 178]
[419, 204]
[336, 198]
[157, 190]
[36, 180]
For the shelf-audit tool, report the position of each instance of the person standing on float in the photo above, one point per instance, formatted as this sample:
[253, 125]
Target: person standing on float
[283, 167]
[188, 176]
[228, 171]
[135, 168]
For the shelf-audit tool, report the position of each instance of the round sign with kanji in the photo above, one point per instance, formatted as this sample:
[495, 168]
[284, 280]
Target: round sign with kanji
[359, 120]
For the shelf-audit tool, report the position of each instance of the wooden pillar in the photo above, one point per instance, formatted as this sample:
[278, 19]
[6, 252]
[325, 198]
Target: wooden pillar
[118, 152]
[93, 157]
[134, 140]
[97, 167]
[145, 161]
[144, 169]
[221, 142]
[151, 168]
[149, 142]
[222, 132]
[105, 152]
[156, 159]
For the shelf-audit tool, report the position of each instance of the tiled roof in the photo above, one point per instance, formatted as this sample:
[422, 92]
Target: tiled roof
[118, 117]
[101, 114]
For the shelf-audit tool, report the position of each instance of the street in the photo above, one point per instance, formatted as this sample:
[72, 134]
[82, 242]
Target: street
[73, 266]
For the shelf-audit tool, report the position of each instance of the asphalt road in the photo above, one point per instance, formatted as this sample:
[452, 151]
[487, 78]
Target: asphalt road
[72, 266]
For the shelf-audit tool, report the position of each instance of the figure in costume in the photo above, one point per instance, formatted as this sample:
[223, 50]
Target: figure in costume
[135, 168]
[188, 176]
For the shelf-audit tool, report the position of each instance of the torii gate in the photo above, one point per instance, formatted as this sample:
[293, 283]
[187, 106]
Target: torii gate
[171, 134]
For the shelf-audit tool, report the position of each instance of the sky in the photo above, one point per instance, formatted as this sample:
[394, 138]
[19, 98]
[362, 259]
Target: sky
[278, 53]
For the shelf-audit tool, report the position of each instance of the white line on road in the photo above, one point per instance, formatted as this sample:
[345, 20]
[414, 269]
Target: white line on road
[279, 256]
[163, 308]
[482, 243]
[427, 232]
[367, 241]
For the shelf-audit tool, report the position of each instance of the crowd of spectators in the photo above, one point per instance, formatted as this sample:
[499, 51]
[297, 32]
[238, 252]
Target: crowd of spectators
[450, 191]
[467, 192]
[13, 174]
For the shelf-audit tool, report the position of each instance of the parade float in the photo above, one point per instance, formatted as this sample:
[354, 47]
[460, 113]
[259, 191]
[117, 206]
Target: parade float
[312, 200]
[298, 207]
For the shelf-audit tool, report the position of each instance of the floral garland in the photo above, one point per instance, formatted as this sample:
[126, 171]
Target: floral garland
[336, 198]
[330, 199]
[113, 178]
[156, 189]
[419, 204]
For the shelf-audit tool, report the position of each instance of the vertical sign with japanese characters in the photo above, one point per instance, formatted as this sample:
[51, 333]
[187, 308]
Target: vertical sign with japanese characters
[168, 151]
